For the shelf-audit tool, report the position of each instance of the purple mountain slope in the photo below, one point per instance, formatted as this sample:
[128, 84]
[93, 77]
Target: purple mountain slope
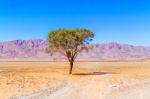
[35, 49]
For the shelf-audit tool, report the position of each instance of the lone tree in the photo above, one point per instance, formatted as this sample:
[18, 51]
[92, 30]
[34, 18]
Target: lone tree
[69, 42]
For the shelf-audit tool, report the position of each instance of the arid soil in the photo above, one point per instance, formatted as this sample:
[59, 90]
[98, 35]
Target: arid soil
[90, 80]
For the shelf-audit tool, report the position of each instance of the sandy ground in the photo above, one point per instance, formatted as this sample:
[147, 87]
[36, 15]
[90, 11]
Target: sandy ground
[90, 80]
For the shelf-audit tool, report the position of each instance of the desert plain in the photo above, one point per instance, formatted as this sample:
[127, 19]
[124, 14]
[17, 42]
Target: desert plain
[90, 80]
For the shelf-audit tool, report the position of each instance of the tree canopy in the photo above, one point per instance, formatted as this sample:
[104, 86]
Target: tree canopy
[69, 42]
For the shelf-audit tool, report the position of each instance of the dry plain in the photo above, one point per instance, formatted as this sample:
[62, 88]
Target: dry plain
[90, 80]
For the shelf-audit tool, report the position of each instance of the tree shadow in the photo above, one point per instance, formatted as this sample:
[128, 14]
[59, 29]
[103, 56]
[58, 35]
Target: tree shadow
[94, 73]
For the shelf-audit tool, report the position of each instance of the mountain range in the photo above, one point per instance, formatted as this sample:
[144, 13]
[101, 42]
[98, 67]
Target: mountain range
[35, 49]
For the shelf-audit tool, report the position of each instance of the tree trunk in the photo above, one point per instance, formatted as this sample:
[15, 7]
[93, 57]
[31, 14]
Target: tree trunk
[71, 67]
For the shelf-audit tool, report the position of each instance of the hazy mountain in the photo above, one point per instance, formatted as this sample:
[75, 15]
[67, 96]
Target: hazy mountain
[35, 49]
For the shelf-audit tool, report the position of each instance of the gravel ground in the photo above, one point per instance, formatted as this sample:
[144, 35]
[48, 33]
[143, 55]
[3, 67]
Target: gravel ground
[64, 90]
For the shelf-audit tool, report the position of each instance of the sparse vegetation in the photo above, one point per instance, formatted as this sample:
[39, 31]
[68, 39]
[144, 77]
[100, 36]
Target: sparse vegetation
[69, 42]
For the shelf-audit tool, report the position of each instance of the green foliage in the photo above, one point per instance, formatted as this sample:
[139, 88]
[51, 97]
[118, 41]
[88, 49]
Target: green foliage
[68, 39]
[69, 42]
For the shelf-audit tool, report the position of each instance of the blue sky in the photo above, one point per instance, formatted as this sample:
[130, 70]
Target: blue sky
[122, 21]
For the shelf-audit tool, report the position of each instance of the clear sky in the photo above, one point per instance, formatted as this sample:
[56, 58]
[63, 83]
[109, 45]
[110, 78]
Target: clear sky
[122, 21]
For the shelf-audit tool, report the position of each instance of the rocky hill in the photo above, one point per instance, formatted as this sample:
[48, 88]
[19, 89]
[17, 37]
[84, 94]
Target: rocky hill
[35, 49]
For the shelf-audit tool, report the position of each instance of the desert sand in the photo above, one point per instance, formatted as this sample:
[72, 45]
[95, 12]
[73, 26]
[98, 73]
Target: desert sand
[90, 80]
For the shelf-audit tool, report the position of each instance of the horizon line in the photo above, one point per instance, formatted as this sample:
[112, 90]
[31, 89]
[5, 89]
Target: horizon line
[93, 42]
